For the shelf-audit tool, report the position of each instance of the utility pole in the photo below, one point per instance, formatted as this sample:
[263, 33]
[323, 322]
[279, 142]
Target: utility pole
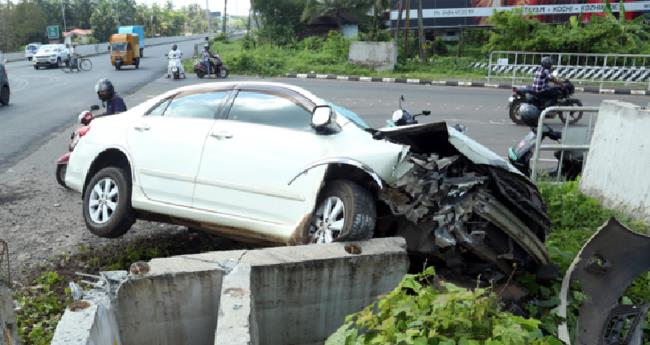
[225, 16]
[407, 28]
[65, 28]
[423, 56]
[208, 16]
[400, 9]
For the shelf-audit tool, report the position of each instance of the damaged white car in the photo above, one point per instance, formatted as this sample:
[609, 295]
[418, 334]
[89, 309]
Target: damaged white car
[274, 163]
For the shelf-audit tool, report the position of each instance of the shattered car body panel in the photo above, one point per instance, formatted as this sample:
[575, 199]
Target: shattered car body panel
[605, 268]
[461, 197]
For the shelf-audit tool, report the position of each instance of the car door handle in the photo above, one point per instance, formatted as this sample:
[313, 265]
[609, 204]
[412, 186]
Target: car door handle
[221, 135]
[142, 128]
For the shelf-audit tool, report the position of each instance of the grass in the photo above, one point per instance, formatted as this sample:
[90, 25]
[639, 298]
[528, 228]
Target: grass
[329, 56]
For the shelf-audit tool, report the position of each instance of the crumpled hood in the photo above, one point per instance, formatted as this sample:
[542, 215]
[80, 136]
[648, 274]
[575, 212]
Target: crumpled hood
[440, 138]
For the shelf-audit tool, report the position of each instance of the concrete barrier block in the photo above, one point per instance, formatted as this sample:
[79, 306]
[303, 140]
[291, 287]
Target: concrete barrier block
[616, 170]
[8, 327]
[380, 56]
[236, 324]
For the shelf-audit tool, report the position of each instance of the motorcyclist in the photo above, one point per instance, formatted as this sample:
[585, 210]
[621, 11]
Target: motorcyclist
[175, 53]
[541, 81]
[207, 59]
[106, 93]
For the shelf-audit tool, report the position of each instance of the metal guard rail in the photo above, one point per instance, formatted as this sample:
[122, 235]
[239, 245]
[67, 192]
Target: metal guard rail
[558, 147]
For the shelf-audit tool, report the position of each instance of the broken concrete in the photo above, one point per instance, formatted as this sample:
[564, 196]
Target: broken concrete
[284, 295]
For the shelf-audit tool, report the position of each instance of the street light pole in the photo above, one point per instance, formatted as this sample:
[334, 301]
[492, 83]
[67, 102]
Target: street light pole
[208, 16]
[65, 28]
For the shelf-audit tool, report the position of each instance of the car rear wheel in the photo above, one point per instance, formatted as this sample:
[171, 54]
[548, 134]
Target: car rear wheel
[4, 95]
[107, 203]
[345, 212]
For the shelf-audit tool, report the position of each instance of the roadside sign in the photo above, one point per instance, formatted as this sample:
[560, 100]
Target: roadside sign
[53, 32]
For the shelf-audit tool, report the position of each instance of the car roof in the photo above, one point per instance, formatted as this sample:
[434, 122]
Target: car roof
[249, 84]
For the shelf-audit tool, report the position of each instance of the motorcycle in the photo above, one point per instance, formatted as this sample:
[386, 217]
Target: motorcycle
[402, 117]
[217, 68]
[527, 95]
[521, 155]
[174, 66]
[84, 119]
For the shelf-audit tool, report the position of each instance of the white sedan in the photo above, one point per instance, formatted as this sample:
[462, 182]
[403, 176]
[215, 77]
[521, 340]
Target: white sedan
[274, 163]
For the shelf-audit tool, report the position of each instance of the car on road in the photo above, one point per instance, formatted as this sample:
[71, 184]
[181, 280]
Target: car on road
[49, 55]
[274, 163]
[5, 92]
[31, 49]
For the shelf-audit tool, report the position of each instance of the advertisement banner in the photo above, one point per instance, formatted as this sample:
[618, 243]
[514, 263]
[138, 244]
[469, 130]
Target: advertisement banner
[455, 13]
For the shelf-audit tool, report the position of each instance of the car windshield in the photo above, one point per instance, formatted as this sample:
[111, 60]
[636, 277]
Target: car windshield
[350, 115]
[32, 47]
[119, 46]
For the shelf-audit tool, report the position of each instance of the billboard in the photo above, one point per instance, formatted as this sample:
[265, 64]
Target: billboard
[459, 13]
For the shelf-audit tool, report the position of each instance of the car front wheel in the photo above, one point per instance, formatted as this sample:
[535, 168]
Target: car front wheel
[345, 212]
[107, 203]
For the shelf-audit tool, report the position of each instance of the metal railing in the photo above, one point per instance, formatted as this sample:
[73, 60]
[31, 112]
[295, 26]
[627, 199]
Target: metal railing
[563, 146]
[519, 67]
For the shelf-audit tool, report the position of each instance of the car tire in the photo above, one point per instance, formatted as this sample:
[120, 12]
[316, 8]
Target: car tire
[35, 67]
[106, 204]
[4, 95]
[514, 112]
[345, 211]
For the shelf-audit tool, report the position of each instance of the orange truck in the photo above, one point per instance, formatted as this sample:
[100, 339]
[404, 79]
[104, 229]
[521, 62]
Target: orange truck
[125, 50]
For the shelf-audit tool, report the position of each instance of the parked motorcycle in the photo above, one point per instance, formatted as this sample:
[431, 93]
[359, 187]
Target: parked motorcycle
[84, 119]
[218, 69]
[174, 66]
[521, 155]
[527, 95]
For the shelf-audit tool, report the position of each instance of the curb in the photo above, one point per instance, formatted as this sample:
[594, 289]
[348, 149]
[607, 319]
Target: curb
[586, 89]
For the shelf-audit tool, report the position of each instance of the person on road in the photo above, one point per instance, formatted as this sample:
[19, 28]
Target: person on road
[207, 59]
[110, 99]
[543, 76]
[174, 54]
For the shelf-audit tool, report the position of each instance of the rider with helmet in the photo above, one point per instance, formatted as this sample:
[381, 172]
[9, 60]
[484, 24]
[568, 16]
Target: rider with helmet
[207, 59]
[541, 81]
[173, 54]
[106, 93]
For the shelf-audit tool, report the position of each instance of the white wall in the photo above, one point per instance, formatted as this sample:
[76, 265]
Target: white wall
[380, 56]
[618, 164]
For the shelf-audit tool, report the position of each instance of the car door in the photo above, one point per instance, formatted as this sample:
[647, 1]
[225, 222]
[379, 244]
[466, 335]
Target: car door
[250, 158]
[166, 144]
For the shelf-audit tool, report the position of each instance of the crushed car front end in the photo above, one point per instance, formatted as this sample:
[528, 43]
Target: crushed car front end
[456, 201]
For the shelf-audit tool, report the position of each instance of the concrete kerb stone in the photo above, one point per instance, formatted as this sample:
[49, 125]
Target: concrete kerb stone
[297, 295]
[585, 89]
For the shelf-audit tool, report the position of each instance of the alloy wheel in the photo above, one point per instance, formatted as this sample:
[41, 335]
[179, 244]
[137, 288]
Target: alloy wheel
[328, 220]
[103, 200]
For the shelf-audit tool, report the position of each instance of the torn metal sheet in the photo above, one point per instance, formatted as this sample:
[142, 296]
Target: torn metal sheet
[605, 267]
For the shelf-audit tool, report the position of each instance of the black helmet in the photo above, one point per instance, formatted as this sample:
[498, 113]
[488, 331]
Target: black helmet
[529, 114]
[547, 62]
[104, 89]
[174, 47]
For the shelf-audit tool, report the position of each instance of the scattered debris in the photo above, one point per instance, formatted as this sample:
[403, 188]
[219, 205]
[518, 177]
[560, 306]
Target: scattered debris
[605, 267]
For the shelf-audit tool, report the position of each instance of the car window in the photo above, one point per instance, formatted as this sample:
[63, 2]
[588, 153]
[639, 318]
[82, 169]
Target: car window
[198, 105]
[269, 109]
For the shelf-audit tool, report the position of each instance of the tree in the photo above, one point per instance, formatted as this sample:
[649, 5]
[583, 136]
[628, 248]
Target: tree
[27, 23]
[103, 20]
[335, 8]
[81, 12]
[279, 20]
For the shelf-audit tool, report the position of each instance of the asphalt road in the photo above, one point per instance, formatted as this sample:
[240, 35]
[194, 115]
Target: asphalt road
[47, 100]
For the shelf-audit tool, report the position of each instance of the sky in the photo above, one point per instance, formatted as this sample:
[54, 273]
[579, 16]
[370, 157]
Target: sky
[235, 7]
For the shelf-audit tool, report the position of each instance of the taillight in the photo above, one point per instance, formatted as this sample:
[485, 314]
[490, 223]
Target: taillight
[83, 130]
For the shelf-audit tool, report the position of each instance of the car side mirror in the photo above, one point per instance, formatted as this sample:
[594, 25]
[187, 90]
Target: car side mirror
[94, 107]
[323, 119]
[426, 112]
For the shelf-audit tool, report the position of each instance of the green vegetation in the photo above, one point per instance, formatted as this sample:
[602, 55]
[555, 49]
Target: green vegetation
[24, 21]
[422, 310]
[602, 34]
[327, 56]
